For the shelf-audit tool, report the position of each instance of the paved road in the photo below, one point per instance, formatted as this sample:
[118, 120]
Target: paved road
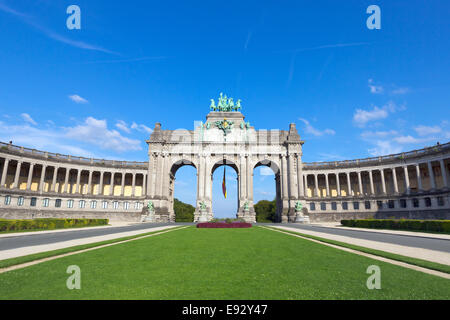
[400, 239]
[55, 237]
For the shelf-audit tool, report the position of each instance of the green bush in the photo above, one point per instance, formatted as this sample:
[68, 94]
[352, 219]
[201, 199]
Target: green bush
[47, 224]
[265, 211]
[402, 224]
[183, 212]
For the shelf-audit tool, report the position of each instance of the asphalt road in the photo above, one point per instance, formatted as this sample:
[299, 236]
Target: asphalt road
[424, 242]
[15, 242]
[403, 240]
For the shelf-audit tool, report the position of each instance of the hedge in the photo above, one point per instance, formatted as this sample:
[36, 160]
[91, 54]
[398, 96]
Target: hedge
[224, 225]
[402, 224]
[48, 224]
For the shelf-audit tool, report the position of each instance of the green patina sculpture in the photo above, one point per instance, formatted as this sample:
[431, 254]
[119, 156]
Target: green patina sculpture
[225, 104]
[208, 125]
[225, 125]
[246, 206]
[298, 206]
[150, 206]
[202, 205]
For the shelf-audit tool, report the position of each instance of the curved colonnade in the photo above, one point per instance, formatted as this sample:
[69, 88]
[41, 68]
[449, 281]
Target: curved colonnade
[414, 184]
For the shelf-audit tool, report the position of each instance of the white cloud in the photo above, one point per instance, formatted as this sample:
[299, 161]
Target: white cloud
[378, 134]
[96, 132]
[141, 128]
[265, 171]
[77, 99]
[310, 129]
[361, 117]
[27, 118]
[375, 89]
[425, 130]
[384, 147]
[401, 91]
[123, 126]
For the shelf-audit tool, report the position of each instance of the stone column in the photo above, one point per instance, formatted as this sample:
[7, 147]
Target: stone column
[30, 176]
[4, 173]
[78, 186]
[407, 186]
[55, 174]
[305, 185]
[360, 183]
[419, 178]
[17, 175]
[372, 189]
[41, 183]
[284, 177]
[338, 185]
[293, 192]
[394, 178]
[89, 190]
[349, 184]
[383, 182]
[444, 173]
[327, 184]
[432, 180]
[144, 184]
[300, 178]
[66, 181]
[242, 179]
[100, 184]
[133, 185]
[122, 184]
[316, 185]
[160, 176]
[111, 184]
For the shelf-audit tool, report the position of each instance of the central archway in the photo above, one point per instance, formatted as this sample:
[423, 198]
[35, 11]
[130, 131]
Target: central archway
[219, 203]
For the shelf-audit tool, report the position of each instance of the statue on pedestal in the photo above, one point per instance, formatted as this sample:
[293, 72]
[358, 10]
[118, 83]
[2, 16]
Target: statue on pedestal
[299, 217]
[148, 213]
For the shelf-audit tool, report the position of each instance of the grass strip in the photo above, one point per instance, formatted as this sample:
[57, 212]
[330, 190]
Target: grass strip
[41, 255]
[414, 261]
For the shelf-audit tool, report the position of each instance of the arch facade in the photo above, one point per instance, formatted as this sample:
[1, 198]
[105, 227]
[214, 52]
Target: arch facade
[413, 184]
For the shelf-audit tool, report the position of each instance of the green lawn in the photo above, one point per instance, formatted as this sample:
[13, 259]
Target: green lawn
[196, 263]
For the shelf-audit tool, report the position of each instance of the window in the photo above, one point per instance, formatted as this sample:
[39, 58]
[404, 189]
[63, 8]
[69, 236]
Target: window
[415, 202]
[93, 204]
[391, 204]
[428, 202]
[58, 203]
[105, 204]
[69, 203]
[7, 200]
[333, 206]
[137, 205]
[440, 201]
[323, 206]
[82, 204]
[20, 201]
[115, 204]
[126, 205]
[402, 203]
[45, 202]
[356, 205]
[312, 206]
[367, 205]
[380, 204]
[344, 205]
[33, 201]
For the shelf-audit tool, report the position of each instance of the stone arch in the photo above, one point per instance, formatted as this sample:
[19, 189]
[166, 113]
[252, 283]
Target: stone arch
[175, 165]
[272, 164]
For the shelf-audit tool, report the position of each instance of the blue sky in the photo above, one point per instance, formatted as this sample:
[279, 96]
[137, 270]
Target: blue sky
[98, 91]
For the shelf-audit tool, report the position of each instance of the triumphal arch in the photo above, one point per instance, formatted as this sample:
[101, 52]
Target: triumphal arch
[225, 138]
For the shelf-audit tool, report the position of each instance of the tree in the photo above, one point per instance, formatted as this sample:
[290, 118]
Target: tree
[265, 211]
[183, 212]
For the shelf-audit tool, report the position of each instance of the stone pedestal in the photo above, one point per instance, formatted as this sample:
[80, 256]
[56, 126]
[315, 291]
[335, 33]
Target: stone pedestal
[300, 218]
[203, 216]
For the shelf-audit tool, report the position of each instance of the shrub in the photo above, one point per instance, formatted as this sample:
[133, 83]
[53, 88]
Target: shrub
[402, 224]
[48, 224]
